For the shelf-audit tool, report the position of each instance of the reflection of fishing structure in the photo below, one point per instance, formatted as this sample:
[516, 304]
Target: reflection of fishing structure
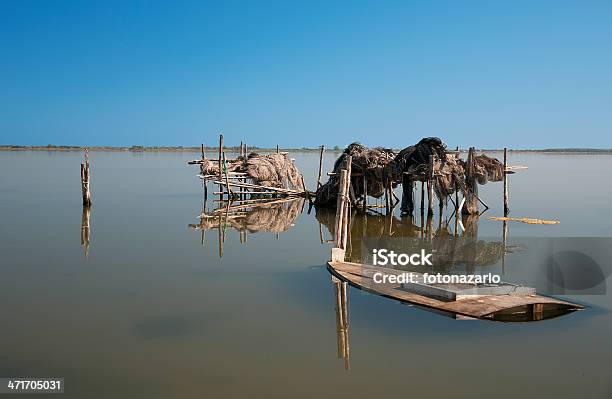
[261, 215]
[452, 247]
[503, 301]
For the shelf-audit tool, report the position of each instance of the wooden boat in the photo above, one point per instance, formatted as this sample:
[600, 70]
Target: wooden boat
[505, 307]
[473, 301]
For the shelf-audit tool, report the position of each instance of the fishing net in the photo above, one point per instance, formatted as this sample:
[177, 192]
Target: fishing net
[270, 170]
[370, 169]
[381, 167]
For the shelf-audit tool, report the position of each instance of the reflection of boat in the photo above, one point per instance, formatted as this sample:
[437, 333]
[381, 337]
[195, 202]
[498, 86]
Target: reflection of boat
[489, 301]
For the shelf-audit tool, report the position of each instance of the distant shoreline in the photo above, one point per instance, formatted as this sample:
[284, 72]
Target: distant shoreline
[214, 150]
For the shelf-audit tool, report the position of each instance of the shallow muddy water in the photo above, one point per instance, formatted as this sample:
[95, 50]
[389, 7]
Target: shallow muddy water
[153, 311]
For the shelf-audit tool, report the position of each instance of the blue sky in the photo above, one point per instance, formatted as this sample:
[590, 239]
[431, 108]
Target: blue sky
[521, 74]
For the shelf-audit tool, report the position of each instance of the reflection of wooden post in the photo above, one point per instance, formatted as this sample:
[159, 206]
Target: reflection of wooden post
[85, 180]
[85, 229]
[504, 243]
[220, 238]
[342, 323]
[506, 210]
[320, 166]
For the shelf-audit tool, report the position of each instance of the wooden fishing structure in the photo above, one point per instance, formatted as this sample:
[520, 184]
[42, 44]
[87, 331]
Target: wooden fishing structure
[442, 174]
[503, 302]
[250, 175]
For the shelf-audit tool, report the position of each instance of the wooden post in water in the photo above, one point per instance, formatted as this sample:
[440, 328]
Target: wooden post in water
[85, 180]
[470, 205]
[422, 197]
[221, 166]
[506, 209]
[320, 166]
[457, 188]
[339, 249]
[347, 201]
[430, 189]
[365, 190]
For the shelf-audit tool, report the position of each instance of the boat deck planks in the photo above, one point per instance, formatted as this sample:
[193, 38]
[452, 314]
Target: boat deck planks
[477, 306]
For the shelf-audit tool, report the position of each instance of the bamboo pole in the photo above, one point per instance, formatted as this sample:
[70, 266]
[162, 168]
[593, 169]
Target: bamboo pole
[340, 209]
[229, 190]
[347, 201]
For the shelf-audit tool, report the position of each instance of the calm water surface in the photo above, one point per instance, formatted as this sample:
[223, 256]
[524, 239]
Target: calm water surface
[152, 312]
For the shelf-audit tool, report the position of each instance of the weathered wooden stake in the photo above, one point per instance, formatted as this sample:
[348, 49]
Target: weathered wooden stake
[320, 166]
[430, 189]
[365, 192]
[85, 180]
[506, 209]
[470, 205]
[457, 189]
[347, 201]
[220, 165]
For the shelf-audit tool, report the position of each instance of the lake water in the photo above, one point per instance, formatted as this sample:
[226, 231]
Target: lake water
[153, 311]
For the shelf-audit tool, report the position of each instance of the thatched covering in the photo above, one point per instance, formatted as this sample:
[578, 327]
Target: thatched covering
[382, 167]
[488, 169]
[270, 170]
[371, 162]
